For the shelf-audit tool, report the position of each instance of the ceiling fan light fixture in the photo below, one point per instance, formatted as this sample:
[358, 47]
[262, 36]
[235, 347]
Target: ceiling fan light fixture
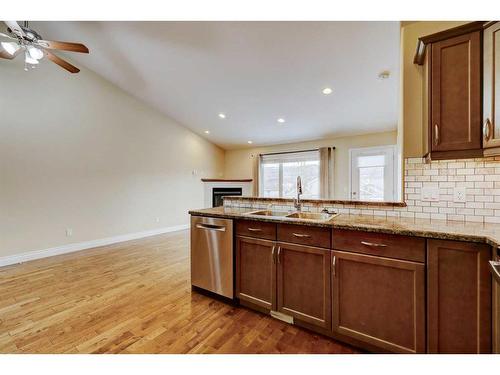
[29, 60]
[10, 47]
[35, 53]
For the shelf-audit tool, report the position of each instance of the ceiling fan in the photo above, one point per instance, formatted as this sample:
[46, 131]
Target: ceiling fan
[24, 40]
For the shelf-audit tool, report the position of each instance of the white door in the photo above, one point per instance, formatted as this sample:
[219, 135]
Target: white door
[372, 173]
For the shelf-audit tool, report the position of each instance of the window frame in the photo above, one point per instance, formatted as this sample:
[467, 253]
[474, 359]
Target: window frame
[382, 149]
[280, 171]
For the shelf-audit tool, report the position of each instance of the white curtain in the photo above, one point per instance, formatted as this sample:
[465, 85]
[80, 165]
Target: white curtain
[326, 171]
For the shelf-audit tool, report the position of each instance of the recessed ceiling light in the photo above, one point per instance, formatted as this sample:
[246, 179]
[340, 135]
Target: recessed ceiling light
[249, 142]
[384, 74]
[327, 91]
[281, 120]
[207, 131]
[222, 115]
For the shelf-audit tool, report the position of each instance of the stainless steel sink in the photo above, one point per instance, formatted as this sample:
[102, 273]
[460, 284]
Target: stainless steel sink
[269, 213]
[315, 216]
[319, 216]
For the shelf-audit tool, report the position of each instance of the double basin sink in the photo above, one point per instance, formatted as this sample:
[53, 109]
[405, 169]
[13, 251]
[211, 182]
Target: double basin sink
[313, 216]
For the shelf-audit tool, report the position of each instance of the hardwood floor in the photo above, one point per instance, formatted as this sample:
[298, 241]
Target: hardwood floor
[133, 297]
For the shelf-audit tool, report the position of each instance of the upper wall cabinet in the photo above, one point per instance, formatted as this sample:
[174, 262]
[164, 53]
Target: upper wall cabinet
[455, 107]
[491, 89]
[453, 66]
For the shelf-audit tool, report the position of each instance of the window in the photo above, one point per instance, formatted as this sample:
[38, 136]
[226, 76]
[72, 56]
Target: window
[372, 173]
[278, 174]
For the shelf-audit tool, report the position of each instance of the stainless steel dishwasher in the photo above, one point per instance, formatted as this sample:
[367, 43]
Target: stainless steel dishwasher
[212, 254]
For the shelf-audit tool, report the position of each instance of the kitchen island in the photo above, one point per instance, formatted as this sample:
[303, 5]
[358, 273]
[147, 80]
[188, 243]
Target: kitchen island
[383, 284]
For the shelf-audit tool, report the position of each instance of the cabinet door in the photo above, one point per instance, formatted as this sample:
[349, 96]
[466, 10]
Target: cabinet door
[459, 297]
[456, 93]
[496, 317]
[304, 283]
[379, 301]
[491, 86]
[256, 271]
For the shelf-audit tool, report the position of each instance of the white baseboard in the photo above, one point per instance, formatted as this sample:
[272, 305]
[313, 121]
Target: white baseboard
[72, 247]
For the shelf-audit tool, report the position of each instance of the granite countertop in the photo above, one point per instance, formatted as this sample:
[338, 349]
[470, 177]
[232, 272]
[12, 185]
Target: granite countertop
[439, 229]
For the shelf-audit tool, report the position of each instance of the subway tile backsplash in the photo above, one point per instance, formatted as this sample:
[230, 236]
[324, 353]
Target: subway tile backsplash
[480, 178]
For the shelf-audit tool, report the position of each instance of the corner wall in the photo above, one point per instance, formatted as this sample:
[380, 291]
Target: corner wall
[77, 152]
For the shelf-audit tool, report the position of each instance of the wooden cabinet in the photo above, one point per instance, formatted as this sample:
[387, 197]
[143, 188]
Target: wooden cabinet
[305, 235]
[380, 244]
[491, 89]
[455, 100]
[379, 301]
[258, 229]
[291, 278]
[459, 297]
[372, 289]
[304, 283]
[256, 271]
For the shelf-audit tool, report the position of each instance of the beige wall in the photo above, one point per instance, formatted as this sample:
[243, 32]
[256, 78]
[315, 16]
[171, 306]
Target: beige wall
[77, 152]
[239, 162]
[413, 79]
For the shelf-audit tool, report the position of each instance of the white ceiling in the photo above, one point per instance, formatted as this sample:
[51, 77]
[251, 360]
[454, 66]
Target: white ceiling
[254, 72]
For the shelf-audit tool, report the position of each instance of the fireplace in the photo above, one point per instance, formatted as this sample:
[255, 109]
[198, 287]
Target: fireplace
[219, 192]
[215, 188]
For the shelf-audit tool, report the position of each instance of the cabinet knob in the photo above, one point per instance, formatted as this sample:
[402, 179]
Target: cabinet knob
[487, 129]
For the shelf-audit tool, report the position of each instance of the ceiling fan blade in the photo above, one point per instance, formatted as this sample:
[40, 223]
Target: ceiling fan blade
[5, 55]
[16, 29]
[2, 35]
[64, 46]
[62, 63]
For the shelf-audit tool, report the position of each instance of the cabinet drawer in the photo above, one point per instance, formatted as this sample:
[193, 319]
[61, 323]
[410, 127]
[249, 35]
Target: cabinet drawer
[380, 244]
[258, 229]
[304, 235]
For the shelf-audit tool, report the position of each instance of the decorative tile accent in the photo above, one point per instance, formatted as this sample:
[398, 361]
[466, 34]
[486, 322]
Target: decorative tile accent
[480, 177]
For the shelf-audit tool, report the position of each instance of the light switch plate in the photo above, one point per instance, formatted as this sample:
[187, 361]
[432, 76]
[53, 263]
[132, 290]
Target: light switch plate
[430, 194]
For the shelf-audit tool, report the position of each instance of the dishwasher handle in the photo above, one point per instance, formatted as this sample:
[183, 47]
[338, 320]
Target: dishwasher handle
[218, 228]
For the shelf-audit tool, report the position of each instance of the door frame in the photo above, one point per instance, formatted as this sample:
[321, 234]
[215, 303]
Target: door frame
[370, 150]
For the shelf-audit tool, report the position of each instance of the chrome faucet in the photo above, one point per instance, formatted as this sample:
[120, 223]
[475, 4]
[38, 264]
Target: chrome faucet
[296, 202]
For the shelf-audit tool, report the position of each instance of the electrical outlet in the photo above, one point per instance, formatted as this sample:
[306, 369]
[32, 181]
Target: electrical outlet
[157, 219]
[459, 195]
[430, 194]
[69, 232]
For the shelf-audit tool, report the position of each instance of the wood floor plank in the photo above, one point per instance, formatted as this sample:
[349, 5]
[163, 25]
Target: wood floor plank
[133, 297]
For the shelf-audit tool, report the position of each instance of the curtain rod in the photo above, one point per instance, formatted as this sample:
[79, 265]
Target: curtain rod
[292, 152]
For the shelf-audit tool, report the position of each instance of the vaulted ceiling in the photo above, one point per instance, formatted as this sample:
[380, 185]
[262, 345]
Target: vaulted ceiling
[253, 72]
